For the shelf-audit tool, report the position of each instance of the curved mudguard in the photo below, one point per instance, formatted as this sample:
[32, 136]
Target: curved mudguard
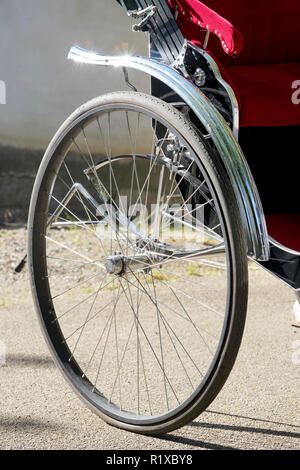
[229, 150]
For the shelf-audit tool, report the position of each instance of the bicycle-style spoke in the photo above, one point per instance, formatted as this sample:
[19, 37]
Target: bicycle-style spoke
[160, 364]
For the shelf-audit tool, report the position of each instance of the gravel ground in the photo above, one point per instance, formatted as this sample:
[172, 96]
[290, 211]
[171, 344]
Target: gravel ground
[258, 407]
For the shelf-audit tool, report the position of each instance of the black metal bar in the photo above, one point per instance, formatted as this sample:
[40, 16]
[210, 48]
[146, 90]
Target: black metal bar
[129, 4]
[163, 29]
[170, 24]
[158, 34]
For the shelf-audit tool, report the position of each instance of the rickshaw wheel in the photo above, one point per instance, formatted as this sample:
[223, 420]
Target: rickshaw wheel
[138, 262]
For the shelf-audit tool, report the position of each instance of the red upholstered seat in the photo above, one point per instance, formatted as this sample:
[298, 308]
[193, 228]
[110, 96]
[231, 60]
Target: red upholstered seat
[286, 229]
[192, 15]
[264, 66]
[265, 93]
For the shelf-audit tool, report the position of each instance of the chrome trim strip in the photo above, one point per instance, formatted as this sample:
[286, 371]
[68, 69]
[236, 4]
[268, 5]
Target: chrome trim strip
[283, 247]
[230, 152]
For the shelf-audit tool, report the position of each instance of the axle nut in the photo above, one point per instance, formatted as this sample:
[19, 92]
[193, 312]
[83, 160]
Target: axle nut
[114, 264]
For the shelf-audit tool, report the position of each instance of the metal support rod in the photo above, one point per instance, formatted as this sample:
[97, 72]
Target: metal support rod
[126, 77]
[206, 39]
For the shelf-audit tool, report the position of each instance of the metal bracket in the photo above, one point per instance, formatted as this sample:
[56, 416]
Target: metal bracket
[145, 14]
[178, 63]
[199, 77]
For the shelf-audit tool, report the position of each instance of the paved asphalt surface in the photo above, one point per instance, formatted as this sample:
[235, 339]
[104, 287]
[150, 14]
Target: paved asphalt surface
[257, 409]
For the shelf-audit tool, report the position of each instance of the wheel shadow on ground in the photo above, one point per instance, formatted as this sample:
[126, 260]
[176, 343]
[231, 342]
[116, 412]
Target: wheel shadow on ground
[31, 361]
[194, 442]
[26, 423]
[258, 420]
[228, 427]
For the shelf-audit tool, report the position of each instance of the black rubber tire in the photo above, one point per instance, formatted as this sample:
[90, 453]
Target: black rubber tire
[235, 236]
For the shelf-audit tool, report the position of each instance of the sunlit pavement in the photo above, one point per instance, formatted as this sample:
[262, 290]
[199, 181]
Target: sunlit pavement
[257, 409]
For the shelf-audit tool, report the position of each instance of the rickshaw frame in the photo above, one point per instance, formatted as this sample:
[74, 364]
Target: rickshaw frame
[276, 258]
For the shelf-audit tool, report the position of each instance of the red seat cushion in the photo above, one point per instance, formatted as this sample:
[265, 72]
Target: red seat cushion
[194, 16]
[265, 93]
[270, 28]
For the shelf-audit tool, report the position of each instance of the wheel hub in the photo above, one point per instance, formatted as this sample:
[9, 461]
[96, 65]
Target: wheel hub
[115, 265]
[119, 264]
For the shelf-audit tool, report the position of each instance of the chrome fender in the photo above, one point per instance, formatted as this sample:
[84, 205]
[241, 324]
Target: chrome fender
[246, 192]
